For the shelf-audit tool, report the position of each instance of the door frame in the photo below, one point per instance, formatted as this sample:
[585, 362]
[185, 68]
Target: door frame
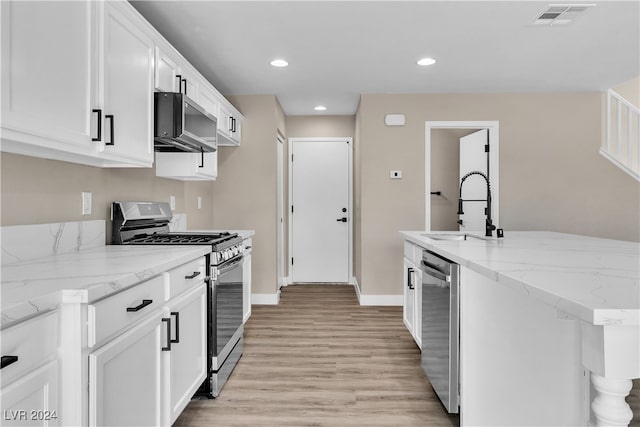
[280, 215]
[494, 158]
[350, 215]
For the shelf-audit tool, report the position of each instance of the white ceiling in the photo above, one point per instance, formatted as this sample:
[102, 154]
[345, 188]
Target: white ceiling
[338, 50]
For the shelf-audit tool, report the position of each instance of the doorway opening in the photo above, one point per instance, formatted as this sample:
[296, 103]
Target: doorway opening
[441, 204]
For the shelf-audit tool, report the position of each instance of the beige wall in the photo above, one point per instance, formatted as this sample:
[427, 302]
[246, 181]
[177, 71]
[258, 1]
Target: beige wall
[320, 126]
[245, 192]
[551, 175]
[36, 191]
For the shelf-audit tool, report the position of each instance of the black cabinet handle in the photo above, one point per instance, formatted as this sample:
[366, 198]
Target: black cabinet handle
[195, 274]
[110, 118]
[233, 124]
[185, 86]
[167, 320]
[143, 304]
[8, 360]
[409, 281]
[179, 77]
[343, 219]
[177, 315]
[201, 158]
[99, 137]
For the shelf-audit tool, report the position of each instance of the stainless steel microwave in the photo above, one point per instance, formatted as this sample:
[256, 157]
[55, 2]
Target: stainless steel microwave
[180, 124]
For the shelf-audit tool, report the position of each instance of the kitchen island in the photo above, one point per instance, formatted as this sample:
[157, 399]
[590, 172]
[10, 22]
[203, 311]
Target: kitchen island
[541, 313]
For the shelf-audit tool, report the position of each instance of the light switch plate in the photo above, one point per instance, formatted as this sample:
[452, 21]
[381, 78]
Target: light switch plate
[199, 202]
[172, 202]
[395, 174]
[86, 203]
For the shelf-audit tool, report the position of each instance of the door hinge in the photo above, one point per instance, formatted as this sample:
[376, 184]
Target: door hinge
[486, 148]
[291, 208]
[291, 260]
[292, 157]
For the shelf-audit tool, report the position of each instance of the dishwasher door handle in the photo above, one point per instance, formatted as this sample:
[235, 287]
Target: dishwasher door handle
[428, 269]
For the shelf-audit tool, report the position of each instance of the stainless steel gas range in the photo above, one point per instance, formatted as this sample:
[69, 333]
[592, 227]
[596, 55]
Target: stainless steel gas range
[147, 223]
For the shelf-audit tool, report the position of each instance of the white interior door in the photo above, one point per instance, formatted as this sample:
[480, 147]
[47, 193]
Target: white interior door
[473, 158]
[321, 211]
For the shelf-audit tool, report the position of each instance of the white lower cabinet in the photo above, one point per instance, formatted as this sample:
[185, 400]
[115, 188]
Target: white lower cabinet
[185, 363]
[125, 377]
[144, 372]
[412, 293]
[30, 372]
[33, 399]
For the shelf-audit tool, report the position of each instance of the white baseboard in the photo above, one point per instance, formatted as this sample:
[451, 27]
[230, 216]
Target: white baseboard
[391, 300]
[355, 284]
[265, 299]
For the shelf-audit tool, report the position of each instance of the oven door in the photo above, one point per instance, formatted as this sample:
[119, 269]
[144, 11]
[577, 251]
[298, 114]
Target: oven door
[227, 306]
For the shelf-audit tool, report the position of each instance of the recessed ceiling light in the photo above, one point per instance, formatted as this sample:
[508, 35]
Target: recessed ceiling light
[319, 108]
[426, 61]
[279, 63]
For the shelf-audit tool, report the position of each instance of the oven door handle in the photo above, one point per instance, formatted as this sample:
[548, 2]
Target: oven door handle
[229, 265]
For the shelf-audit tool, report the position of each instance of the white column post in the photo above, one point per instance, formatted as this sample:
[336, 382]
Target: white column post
[609, 406]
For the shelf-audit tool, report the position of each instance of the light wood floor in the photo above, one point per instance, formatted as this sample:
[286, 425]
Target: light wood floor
[320, 359]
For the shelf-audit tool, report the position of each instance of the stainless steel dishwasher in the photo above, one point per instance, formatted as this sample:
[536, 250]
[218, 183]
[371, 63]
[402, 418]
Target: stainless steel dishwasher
[440, 327]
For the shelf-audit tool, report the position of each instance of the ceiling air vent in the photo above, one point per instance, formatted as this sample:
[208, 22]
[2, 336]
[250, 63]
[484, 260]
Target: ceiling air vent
[561, 14]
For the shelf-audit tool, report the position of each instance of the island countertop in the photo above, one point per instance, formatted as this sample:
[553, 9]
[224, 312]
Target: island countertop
[592, 279]
[35, 286]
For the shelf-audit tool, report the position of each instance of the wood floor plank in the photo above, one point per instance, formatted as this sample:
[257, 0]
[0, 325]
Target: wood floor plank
[320, 359]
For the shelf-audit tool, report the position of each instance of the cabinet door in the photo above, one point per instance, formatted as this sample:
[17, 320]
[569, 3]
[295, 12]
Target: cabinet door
[187, 166]
[246, 285]
[189, 82]
[46, 75]
[187, 363]
[224, 124]
[166, 72]
[408, 306]
[33, 399]
[128, 86]
[125, 377]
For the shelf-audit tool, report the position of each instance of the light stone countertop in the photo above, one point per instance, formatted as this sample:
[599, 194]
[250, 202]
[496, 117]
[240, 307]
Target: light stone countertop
[35, 286]
[592, 279]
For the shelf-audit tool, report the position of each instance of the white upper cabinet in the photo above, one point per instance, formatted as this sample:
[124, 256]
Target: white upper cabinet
[46, 78]
[229, 125]
[78, 79]
[187, 166]
[167, 72]
[127, 86]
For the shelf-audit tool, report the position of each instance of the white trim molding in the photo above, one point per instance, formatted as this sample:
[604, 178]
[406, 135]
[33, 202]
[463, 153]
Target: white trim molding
[265, 299]
[355, 284]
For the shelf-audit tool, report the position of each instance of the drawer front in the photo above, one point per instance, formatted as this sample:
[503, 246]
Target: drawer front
[32, 342]
[113, 314]
[186, 276]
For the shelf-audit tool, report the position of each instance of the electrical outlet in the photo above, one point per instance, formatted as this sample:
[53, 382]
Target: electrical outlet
[172, 202]
[395, 174]
[86, 203]
[199, 202]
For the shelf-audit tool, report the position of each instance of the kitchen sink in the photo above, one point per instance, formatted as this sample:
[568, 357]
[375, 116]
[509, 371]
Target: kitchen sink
[463, 236]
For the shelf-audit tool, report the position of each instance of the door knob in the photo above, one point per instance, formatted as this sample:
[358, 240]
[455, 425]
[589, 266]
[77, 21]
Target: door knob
[343, 219]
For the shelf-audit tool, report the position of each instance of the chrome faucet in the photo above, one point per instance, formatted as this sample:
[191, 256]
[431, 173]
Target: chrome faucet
[489, 227]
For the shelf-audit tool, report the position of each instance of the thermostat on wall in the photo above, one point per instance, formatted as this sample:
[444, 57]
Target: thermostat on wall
[394, 120]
